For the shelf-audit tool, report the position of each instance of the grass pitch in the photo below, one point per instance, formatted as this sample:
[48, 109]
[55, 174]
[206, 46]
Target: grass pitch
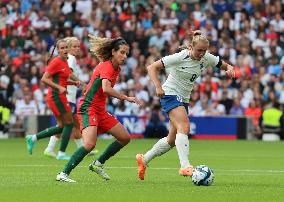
[244, 171]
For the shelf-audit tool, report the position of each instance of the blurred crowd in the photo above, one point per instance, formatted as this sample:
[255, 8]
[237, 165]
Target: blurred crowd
[249, 34]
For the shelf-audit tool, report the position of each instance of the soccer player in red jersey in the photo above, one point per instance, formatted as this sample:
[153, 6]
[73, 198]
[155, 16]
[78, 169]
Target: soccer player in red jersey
[57, 78]
[92, 114]
[74, 51]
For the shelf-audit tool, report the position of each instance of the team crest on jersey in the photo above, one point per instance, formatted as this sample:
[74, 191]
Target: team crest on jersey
[201, 66]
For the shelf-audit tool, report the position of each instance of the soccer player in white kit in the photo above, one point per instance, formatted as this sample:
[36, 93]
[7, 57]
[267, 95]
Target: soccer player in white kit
[184, 67]
[73, 51]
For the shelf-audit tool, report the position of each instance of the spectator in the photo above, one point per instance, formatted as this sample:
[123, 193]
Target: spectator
[254, 112]
[272, 119]
[237, 109]
[122, 109]
[157, 40]
[226, 101]
[155, 127]
[42, 24]
[24, 107]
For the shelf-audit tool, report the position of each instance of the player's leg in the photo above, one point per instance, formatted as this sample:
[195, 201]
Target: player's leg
[31, 139]
[61, 109]
[78, 136]
[67, 119]
[122, 139]
[50, 149]
[179, 119]
[160, 148]
[77, 133]
[90, 137]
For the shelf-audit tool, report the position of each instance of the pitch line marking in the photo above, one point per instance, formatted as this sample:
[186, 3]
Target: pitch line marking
[155, 168]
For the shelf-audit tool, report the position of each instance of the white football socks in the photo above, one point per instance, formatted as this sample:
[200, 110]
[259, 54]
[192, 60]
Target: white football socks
[161, 147]
[52, 143]
[97, 163]
[79, 142]
[34, 138]
[182, 145]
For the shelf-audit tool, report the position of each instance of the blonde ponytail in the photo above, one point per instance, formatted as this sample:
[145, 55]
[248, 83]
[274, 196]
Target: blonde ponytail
[197, 37]
[69, 40]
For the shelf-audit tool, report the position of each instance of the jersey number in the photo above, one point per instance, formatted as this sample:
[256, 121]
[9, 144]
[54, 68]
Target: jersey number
[193, 77]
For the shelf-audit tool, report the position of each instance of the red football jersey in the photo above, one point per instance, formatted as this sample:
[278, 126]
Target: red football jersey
[60, 73]
[94, 98]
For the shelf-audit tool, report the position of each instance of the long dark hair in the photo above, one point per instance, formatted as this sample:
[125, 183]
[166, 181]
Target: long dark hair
[57, 42]
[102, 47]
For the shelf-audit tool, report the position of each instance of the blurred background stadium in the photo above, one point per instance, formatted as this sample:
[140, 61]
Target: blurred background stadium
[249, 34]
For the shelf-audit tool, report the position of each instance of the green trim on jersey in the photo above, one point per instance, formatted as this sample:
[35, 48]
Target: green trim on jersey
[55, 96]
[88, 100]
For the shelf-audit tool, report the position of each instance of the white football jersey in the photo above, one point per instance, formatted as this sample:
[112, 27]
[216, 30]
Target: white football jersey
[184, 71]
[71, 89]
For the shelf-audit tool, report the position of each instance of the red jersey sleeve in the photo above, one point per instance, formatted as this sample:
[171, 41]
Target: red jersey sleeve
[53, 67]
[107, 71]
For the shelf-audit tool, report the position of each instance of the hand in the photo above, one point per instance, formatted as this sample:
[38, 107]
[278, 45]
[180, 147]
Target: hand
[160, 92]
[233, 73]
[61, 90]
[230, 73]
[134, 100]
[84, 87]
[77, 83]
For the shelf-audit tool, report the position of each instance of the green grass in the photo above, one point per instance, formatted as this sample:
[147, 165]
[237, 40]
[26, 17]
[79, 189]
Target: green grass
[244, 171]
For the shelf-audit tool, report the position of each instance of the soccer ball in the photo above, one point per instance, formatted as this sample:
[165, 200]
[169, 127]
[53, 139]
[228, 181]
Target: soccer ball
[202, 175]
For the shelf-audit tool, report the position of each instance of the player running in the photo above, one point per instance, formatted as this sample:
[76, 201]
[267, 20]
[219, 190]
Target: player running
[57, 76]
[185, 67]
[92, 114]
[74, 51]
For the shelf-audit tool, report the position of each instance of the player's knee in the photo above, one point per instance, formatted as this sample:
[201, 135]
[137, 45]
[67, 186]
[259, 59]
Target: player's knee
[171, 140]
[59, 125]
[124, 140]
[89, 146]
[69, 122]
[183, 128]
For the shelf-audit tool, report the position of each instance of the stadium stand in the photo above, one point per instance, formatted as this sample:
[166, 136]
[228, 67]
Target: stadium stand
[248, 33]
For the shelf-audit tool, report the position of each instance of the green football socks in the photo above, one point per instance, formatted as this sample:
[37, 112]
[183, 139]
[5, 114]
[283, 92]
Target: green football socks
[66, 132]
[48, 132]
[76, 158]
[111, 150]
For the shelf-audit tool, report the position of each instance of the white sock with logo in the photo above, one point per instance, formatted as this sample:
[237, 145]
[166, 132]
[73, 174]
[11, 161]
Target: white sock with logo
[161, 147]
[52, 143]
[182, 145]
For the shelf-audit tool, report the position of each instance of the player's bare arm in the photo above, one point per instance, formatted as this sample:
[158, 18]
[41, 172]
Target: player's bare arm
[46, 79]
[153, 70]
[106, 86]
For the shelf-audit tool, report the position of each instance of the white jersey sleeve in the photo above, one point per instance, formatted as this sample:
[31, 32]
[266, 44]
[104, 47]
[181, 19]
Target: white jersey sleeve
[171, 61]
[71, 89]
[211, 60]
[72, 62]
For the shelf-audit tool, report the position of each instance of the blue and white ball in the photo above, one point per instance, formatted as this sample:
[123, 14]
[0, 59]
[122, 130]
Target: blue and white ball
[202, 175]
